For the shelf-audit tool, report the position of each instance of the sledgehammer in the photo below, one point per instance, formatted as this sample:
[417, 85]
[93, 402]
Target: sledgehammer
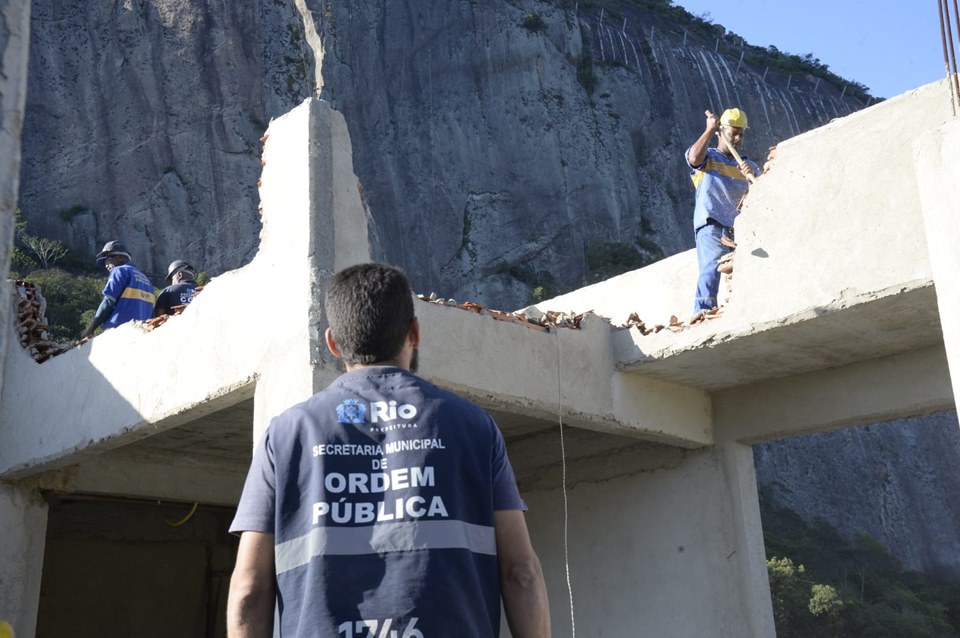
[733, 151]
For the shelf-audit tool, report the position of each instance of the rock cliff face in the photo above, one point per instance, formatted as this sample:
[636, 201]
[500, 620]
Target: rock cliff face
[896, 481]
[494, 147]
[143, 121]
[498, 142]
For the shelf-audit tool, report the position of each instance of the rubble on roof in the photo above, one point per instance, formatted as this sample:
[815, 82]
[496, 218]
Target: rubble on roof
[724, 266]
[152, 324]
[534, 321]
[33, 331]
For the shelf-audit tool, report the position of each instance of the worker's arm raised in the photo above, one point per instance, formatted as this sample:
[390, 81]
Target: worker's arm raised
[521, 578]
[252, 588]
[698, 152]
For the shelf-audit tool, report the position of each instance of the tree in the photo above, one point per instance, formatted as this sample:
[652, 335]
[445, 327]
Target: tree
[48, 251]
[20, 261]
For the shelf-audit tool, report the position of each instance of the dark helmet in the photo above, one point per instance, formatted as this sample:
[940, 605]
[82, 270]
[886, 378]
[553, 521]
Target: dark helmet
[111, 249]
[178, 266]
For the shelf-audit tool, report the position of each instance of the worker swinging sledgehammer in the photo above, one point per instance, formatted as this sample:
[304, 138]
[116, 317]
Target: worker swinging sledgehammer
[721, 178]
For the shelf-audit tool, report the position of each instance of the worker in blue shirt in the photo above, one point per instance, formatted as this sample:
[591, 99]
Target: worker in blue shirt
[720, 184]
[128, 294]
[180, 292]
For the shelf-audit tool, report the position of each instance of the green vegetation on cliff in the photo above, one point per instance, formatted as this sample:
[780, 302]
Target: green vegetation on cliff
[825, 586]
[72, 294]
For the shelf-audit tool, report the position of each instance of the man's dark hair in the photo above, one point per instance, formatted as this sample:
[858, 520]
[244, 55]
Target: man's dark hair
[369, 308]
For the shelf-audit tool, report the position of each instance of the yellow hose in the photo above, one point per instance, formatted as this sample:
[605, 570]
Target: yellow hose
[175, 523]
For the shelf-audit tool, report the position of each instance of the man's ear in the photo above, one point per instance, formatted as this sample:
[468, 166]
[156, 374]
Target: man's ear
[331, 344]
[414, 333]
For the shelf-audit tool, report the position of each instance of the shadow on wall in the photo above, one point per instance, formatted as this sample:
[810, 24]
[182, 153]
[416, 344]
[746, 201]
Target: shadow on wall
[122, 568]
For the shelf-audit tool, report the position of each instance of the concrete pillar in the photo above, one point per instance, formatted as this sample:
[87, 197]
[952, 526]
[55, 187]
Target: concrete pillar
[662, 541]
[316, 221]
[14, 49]
[937, 155]
[23, 530]
[740, 487]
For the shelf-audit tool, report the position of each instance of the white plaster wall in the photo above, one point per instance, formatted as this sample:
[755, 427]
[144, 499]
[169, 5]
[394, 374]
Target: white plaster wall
[937, 154]
[15, 23]
[23, 525]
[660, 552]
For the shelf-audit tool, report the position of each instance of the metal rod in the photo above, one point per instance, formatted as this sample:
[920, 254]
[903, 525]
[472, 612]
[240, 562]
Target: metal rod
[956, 80]
[789, 79]
[601, 14]
[946, 58]
[684, 38]
[953, 57]
[739, 63]
[843, 92]
[623, 29]
[717, 47]
[816, 86]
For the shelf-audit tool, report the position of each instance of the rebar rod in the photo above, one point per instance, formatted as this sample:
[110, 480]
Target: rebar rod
[946, 57]
[953, 57]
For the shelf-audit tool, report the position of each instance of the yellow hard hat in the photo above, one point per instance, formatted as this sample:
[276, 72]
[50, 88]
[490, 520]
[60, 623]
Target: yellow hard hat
[6, 631]
[734, 117]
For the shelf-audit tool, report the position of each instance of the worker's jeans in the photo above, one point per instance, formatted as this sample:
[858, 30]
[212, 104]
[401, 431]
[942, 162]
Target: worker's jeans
[709, 251]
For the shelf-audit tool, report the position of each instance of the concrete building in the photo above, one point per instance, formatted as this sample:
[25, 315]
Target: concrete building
[645, 495]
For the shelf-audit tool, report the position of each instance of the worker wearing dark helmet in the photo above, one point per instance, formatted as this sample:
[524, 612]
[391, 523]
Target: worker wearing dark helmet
[128, 295]
[720, 184]
[181, 277]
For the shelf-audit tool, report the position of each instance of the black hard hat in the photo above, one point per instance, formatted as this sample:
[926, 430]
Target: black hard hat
[110, 249]
[178, 266]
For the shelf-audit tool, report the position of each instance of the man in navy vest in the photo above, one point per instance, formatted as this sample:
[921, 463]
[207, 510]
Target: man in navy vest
[128, 294]
[180, 291]
[383, 505]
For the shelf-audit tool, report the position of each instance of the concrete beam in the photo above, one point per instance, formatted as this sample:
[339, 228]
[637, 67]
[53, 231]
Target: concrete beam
[882, 389]
[724, 354]
[156, 476]
[514, 369]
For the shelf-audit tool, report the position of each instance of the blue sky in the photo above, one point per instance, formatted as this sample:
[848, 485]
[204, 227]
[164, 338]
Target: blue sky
[891, 46]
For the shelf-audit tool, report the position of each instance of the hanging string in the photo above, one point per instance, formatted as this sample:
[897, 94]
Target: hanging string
[563, 465]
